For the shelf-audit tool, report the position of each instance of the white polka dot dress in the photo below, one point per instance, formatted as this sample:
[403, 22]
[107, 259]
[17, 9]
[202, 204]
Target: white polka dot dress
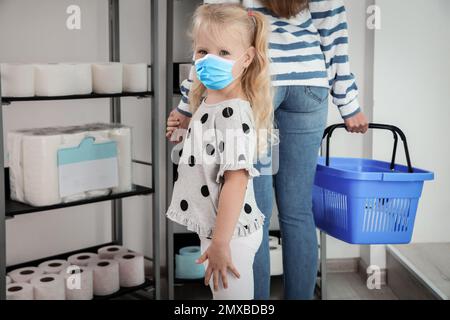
[220, 137]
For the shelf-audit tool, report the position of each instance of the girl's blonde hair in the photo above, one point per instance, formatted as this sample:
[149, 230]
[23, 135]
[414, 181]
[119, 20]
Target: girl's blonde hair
[255, 80]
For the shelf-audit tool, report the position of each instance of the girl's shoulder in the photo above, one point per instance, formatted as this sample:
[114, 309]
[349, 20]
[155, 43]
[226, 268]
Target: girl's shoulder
[230, 113]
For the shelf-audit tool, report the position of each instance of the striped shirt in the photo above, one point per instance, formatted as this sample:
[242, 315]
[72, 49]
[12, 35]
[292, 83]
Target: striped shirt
[310, 49]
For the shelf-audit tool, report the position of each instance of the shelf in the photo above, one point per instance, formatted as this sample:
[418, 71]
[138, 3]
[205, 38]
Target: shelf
[13, 208]
[147, 284]
[8, 100]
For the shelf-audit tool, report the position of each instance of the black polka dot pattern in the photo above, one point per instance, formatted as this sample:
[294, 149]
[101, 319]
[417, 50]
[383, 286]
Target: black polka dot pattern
[205, 191]
[247, 208]
[184, 205]
[241, 158]
[221, 146]
[227, 112]
[189, 133]
[191, 161]
[210, 149]
[180, 153]
[204, 118]
[245, 128]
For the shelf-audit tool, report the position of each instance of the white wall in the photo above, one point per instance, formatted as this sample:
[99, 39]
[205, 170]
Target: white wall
[412, 78]
[34, 31]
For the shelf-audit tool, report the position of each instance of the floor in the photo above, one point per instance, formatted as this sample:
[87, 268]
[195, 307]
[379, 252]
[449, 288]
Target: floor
[429, 263]
[341, 286]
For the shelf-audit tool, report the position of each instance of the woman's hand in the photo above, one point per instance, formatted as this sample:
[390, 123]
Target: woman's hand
[176, 121]
[357, 124]
[219, 256]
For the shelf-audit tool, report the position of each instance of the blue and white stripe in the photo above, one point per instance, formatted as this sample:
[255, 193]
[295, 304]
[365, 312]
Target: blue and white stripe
[310, 49]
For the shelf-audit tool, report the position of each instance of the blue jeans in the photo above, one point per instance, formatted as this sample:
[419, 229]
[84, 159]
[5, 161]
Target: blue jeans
[300, 116]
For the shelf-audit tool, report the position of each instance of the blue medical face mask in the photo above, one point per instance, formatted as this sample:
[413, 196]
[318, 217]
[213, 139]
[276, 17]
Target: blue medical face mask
[214, 72]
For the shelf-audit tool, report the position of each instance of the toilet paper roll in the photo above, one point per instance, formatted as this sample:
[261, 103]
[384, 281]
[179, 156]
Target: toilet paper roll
[72, 137]
[276, 260]
[135, 77]
[107, 78]
[54, 79]
[40, 173]
[24, 274]
[79, 282]
[185, 263]
[100, 135]
[17, 79]
[49, 287]
[131, 269]
[81, 76]
[106, 277]
[19, 291]
[109, 252]
[14, 146]
[54, 266]
[274, 241]
[83, 259]
[122, 136]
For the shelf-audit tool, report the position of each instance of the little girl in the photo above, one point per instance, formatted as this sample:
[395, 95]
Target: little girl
[232, 118]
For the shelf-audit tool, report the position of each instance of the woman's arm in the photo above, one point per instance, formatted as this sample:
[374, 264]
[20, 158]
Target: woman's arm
[330, 19]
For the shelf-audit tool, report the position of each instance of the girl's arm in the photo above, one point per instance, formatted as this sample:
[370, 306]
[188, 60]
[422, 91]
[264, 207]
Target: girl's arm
[231, 200]
[330, 19]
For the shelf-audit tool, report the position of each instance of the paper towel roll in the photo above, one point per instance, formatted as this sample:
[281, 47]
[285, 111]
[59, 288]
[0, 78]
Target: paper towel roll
[17, 79]
[81, 76]
[8, 280]
[109, 252]
[276, 260]
[49, 287]
[53, 79]
[122, 136]
[107, 78]
[19, 291]
[135, 77]
[131, 269]
[53, 266]
[40, 170]
[106, 277]
[274, 241]
[79, 282]
[185, 263]
[83, 259]
[24, 274]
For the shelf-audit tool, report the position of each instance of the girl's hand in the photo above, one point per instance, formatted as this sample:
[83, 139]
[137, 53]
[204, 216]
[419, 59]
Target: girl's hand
[358, 123]
[219, 256]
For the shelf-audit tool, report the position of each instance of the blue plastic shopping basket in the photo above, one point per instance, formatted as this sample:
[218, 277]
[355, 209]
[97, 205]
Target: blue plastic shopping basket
[362, 201]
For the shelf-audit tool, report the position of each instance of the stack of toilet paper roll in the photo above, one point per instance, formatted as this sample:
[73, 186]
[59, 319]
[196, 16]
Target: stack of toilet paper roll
[276, 257]
[81, 277]
[33, 162]
[62, 79]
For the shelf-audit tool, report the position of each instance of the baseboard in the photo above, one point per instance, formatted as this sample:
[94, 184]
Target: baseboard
[342, 265]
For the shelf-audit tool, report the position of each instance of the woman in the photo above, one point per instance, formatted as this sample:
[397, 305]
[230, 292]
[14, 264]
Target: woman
[309, 53]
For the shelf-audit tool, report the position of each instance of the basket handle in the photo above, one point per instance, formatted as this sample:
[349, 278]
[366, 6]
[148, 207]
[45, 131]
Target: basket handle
[395, 131]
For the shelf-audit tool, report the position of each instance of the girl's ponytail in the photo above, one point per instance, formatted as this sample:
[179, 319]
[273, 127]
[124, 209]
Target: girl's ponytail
[257, 83]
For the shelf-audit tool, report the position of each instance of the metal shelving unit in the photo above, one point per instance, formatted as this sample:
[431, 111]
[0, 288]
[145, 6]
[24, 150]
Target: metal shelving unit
[10, 208]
